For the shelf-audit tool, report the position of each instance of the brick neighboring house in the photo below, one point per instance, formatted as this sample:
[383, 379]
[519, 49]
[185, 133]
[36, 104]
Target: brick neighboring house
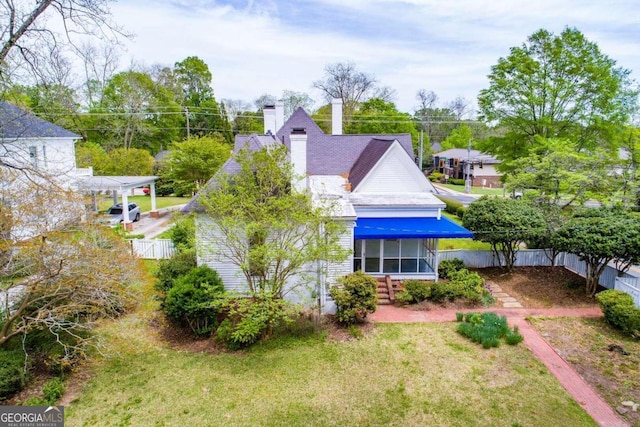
[453, 163]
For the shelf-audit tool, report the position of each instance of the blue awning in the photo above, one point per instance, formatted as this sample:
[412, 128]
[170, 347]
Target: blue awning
[408, 228]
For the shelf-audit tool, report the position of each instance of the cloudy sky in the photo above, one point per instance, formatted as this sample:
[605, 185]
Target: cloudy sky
[447, 46]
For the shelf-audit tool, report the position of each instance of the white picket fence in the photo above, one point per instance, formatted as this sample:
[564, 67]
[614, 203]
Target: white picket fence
[152, 248]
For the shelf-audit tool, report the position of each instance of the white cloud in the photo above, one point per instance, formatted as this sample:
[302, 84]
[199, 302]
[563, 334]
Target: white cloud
[447, 47]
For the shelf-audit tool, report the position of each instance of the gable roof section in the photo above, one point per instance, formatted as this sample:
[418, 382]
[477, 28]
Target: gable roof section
[299, 120]
[16, 123]
[368, 159]
[385, 167]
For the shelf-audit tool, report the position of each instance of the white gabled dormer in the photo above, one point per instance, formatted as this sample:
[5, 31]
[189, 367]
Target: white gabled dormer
[394, 172]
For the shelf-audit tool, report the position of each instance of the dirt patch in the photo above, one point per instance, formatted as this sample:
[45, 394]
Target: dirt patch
[597, 353]
[541, 287]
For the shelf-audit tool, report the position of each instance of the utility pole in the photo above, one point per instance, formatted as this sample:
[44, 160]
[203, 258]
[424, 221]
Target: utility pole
[420, 153]
[186, 112]
[467, 182]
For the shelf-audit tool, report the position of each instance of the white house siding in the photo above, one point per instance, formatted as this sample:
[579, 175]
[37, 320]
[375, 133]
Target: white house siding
[209, 251]
[54, 155]
[336, 270]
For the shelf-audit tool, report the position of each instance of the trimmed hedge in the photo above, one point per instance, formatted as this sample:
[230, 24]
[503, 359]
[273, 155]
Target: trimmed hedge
[456, 181]
[620, 311]
[453, 206]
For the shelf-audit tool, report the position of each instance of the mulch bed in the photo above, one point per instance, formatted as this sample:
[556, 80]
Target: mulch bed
[541, 287]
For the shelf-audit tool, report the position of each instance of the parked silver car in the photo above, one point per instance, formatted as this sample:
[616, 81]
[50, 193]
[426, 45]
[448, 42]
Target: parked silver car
[115, 214]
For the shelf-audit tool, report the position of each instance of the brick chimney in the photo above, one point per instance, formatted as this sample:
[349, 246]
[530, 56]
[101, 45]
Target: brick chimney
[336, 116]
[299, 158]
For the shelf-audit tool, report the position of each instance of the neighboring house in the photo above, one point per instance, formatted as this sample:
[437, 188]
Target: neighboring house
[453, 163]
[392, 219]
[27, 141]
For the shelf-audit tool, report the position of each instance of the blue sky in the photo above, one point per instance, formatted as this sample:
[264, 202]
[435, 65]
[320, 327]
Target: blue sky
[447, 46]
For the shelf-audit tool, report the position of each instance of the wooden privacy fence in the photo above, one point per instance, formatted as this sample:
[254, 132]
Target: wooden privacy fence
[152, 248]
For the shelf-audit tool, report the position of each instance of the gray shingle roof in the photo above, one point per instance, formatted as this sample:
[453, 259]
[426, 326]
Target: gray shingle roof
[16, 123]
[461, 153]
[333, 154]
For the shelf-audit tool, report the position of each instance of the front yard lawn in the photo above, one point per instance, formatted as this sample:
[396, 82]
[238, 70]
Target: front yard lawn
[398, 374]
[597, 352]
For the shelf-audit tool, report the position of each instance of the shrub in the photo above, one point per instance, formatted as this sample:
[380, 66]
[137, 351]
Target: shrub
[452, 205]
[195, 299]
[436, 176]
[183, 233]
[12, 372]
[487, 329]
[513, 337]
[355, 298]
[456, 181]
[461, 284]
[619, 311]
[251, 319]
[404, 297]
[459, 317]
[170, 269]
[448, 266]
[460, 212]
[53, 390]
[419, 290]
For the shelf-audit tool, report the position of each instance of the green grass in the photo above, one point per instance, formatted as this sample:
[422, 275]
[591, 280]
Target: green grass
[447, 244]
[145, 202]
[399, 375]
[474, 190]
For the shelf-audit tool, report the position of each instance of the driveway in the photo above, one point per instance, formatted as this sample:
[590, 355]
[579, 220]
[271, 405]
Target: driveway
[152, 227]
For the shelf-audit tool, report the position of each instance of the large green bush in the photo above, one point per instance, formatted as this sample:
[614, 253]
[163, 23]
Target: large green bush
[251, 319]
[196, 299]
[170, 269]
[619, 311]
[183, 233]
[418, 290]
[12, 372]
[452, 205]
[355, 297]
[461, 284]
[448, 266]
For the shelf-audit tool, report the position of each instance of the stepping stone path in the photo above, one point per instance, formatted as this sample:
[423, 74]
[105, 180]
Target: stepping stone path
[507, 300]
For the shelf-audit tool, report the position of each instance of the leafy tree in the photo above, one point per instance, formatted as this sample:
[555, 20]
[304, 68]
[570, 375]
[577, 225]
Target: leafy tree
[598, 237]
[554, 86]
[248, 122]
[458, 138]
[555, 172]
[91, 154]
[140, 112]
[121, 162]
[194, 161]
[504, 223]
[376, 116]
[293, 100]
[269, 231]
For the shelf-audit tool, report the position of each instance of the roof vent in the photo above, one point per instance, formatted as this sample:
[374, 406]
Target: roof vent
[298, 131]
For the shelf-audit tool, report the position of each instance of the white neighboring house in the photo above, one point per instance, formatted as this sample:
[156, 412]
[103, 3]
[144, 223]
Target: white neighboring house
[393, 220]
[34, 151]
[27, 141]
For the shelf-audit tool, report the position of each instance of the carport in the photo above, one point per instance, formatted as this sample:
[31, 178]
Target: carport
[122, 185]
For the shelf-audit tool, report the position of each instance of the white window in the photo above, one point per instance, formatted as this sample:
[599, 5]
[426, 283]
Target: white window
[33, 155]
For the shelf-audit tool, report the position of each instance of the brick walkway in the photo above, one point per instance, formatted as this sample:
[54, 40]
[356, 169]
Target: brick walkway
[575, 385]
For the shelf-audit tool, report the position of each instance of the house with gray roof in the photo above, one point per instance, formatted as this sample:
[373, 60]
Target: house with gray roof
[481, 167]
[28, 141]
[392, 218]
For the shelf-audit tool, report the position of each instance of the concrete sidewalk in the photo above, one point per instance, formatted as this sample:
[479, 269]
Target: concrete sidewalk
[575, 385]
